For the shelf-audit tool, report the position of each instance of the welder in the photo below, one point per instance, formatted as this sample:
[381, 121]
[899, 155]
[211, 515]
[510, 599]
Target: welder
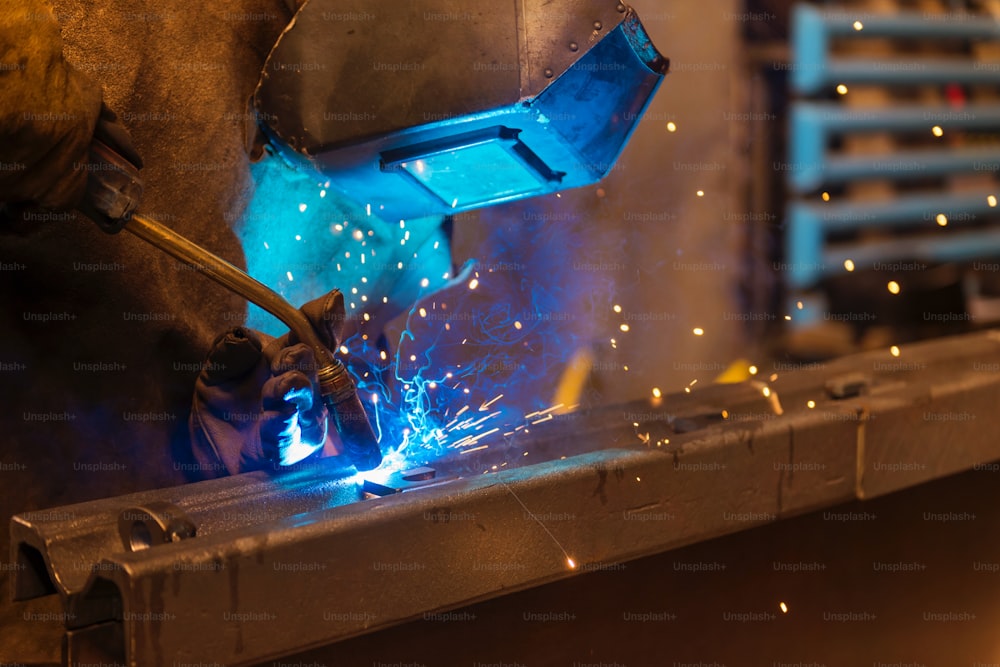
[105, 337]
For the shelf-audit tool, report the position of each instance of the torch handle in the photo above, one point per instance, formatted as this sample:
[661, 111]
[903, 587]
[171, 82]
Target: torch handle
[336, 385]
[114, 189]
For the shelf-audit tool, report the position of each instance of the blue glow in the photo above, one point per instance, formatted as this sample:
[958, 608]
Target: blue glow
[292, 448]
[474, 175]
[474, 360]
[312, 242]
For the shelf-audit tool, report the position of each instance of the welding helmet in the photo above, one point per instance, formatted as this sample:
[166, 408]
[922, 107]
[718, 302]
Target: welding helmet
[432, 107]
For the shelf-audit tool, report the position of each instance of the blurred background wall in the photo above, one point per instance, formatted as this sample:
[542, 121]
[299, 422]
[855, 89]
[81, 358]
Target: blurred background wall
[686, 244]
[657, 238]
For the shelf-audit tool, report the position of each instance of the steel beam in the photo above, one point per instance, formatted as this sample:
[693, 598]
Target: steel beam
[279, 563]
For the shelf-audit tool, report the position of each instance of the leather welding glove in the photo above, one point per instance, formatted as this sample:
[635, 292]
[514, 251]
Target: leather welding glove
[48, 110]
[256, 401]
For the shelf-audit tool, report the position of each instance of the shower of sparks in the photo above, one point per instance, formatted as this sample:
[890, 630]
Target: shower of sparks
[442, 412]
[422, 406]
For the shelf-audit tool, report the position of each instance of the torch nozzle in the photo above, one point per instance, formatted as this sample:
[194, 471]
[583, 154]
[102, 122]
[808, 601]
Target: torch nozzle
[341, 398]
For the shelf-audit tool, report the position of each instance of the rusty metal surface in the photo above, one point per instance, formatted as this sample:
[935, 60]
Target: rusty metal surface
[605, 486]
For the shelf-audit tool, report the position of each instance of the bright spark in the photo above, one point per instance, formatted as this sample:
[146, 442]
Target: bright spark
[487, 404]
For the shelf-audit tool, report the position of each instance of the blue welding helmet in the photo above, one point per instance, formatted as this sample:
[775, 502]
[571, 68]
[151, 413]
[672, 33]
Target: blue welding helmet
[432, 107]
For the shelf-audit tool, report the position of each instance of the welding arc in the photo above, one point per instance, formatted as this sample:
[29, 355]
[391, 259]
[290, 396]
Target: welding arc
[336, 385]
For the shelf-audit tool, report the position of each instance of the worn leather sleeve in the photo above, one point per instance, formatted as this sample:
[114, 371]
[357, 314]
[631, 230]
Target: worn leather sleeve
[48, 110]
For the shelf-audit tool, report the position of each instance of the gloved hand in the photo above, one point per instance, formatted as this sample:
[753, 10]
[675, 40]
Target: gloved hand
[256, 401]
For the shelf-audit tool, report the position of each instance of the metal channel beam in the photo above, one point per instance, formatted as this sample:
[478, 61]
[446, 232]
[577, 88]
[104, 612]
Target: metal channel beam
[283, 563]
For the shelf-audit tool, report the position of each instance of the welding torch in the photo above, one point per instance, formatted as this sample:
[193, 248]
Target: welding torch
[114, 189]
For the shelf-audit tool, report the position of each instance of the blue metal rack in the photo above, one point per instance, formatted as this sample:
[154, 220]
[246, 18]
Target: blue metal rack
[813, 166]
